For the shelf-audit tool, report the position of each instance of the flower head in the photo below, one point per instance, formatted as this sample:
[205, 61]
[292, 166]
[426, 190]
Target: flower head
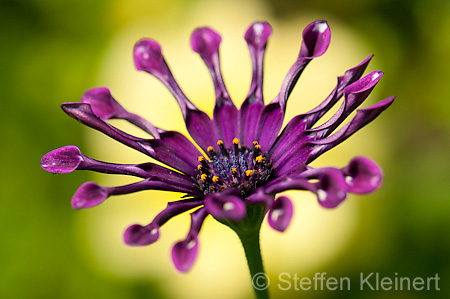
[242, 157]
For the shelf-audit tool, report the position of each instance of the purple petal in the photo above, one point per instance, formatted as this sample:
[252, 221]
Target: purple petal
[184, 254]
[148, 57]
[225, 206]
[362, 175]
[226, 118]
[331, 188]
[289, 183]
[270, 124]
[249, 115]
[138, 235]
[348, 78]
[170, 183]
[316, 38]
[202, 129]
[155, 148]
[206, 42]
[62, 160]
[102, 103]
[83, 113]
[354, 94]
[362, 118]
[280, 213]
[106, 107]
[89, 195]
[256, 36]
[183, 147]
[288, 142]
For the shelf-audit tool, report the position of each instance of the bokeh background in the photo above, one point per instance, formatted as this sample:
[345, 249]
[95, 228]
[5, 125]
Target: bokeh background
[52, 51]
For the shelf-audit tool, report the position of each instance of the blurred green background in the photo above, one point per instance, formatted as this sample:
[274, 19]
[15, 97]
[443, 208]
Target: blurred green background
[50, 53]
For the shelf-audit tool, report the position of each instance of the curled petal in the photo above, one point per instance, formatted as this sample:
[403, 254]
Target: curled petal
[280, 213]
[89, 195]
[184, 254]
[225, 206]
[290, 140]
[148, 57]
[256, 36]
[354, 95]
[106, 107]
[102, 103]
[362, 118]
[205, 42]
[316, 38]
[362, 175]
[62, 160]
[138, 235]
[331, 188]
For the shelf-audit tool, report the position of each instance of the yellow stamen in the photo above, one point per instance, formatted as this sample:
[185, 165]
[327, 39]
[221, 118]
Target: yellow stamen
[236, 141]
[234, 171]
[203, 176]
[259, 158]
[199, 167]
[201, 159]
[248, 172]
[220, 142]
[255, 143]
[215, 179]
[258, 147]
[210, 149]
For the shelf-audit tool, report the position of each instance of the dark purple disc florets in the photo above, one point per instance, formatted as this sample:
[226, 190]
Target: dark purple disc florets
[238, 167]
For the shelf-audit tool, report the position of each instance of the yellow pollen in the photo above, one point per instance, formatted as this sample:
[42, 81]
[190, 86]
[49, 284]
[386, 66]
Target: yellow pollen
[210, 149]
[199, 167]
[236, 141]
[220, 142]
[258, 147]
[203, 176]
[255, 143]
[248, 172]
[201, 159]
[259, 159]
[234, 170]
[215, 179]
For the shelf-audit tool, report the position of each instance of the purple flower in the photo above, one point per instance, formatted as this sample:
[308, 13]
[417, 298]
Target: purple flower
[243, 158]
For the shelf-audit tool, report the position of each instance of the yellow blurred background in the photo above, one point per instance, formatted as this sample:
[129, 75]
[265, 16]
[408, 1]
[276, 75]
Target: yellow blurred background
[52, 51]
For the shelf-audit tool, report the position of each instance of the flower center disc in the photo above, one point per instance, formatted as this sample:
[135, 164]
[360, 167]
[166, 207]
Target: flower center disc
[238, 167]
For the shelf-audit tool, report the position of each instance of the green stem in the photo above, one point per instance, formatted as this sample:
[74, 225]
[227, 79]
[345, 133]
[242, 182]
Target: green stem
[259, 279]
[248, 232]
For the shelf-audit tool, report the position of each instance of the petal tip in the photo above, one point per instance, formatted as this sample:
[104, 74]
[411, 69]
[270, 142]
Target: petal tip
[148, 56]
[138, 235]
[102, 102]
[62, 160]
[89, 195]
[184, 254]
[205, 41]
